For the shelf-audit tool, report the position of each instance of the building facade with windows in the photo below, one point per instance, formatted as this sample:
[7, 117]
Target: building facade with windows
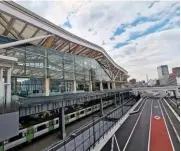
[176, 70]
[162, 71]
[163, 74]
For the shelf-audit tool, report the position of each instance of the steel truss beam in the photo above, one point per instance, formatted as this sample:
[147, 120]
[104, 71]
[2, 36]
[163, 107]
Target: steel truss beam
[81, 50]
[20, 42]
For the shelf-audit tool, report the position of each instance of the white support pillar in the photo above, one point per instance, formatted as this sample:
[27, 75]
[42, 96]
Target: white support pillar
[62, 122]
[108, 85]
[101, 86]
[90, 86]
[8, 87]
[74, 85]
[1, 74]
[113, 85]
[47, 86]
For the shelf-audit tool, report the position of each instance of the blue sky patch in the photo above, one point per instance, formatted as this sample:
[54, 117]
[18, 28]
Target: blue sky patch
[155, 28]
[67, 24]
[118, 45]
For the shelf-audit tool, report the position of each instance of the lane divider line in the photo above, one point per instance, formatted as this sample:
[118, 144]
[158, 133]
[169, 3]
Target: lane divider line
[176, 133]
[175, 103]
[106, 138]
[172, 101]
[134, 127]
[176, 115]
[150, 127]
[117, 143]
[166, 126]
[112, 144]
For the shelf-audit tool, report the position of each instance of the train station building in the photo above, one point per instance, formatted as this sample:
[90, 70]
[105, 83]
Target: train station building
[45, 69]
[52, 60]
[50, 68]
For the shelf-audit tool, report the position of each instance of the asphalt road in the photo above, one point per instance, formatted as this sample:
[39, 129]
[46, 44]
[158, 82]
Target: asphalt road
[147, 130]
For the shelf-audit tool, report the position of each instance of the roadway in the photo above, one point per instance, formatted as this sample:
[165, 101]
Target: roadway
[156, 127]
[52, 138]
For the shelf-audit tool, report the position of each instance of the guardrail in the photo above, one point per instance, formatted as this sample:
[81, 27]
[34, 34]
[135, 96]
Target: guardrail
[85, 138]
[67, 96]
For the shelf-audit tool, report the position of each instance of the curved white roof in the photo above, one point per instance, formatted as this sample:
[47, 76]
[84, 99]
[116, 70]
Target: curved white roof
[19, 23]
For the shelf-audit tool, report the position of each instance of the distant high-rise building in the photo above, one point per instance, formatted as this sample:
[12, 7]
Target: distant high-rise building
[176, 70]
[163, 74]
[162, 71]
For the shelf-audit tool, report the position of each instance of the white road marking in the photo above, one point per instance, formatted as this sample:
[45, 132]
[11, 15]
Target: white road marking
[176, 133]
[176, 115]
[166, 127]
[104, 140]
[134, 128]
[156, 106]
[172, 101]
[150, 127]
[157, 117]
[116, 143]
[112, 143]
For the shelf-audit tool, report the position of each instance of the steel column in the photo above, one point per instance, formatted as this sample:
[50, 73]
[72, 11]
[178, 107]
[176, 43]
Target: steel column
[115, 101]
[8, 86]
[101, 107]
[62, 123]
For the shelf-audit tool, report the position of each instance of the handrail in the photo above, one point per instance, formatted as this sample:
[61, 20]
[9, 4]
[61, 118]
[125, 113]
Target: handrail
[89, 126]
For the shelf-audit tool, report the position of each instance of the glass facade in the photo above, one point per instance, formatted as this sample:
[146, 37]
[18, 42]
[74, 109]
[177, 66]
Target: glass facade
[35, 63]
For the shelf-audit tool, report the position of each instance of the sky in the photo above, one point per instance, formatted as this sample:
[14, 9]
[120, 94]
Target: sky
[138, 35]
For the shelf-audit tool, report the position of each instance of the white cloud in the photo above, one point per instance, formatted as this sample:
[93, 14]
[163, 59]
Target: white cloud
[96, 21]
[149, 52]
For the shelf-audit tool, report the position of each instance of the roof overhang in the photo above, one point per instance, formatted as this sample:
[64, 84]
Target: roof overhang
[19, 23]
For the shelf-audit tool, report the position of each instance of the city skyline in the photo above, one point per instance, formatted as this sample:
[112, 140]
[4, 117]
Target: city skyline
[139, 41]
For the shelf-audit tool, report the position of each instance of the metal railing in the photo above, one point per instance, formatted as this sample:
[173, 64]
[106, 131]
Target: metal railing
[67, 96]
[86, 137]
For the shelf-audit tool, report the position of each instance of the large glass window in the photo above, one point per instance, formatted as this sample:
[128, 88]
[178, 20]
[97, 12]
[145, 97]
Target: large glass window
[87, 65]
[55, 60]
[68, 75]
[79, 64]
[68, 61]
[62, 68]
